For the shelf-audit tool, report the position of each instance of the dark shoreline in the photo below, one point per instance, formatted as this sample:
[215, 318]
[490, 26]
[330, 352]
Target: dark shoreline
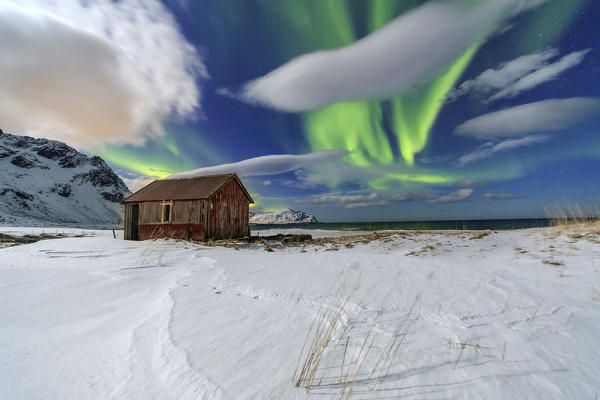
[475, 225]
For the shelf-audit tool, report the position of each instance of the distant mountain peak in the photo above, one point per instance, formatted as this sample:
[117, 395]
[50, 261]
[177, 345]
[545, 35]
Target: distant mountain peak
[285, 216]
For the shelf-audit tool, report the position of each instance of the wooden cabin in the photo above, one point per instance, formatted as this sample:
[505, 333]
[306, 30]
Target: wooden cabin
[201, 208]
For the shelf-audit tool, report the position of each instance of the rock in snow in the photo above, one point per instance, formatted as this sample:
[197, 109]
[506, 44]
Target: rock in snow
[48, 182]
[288, 216]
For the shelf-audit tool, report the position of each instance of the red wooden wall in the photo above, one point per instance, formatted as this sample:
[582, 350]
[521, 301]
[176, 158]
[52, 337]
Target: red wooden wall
[228, 212]
[172, 231]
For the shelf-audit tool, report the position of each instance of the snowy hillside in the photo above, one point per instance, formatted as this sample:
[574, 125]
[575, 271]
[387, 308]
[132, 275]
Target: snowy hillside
[47, 182]
[288, 216]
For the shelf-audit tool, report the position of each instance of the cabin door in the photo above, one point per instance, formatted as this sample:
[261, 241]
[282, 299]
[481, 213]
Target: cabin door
[132, 221]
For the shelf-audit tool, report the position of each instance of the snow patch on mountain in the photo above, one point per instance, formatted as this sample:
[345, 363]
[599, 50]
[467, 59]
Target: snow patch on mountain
[46, 182]
[288, 216]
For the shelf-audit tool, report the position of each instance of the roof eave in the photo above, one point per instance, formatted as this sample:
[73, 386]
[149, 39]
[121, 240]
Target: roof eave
[239, 181]
[125, 200]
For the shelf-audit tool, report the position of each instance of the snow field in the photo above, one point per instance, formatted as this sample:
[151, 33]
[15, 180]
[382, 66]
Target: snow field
[510, 315]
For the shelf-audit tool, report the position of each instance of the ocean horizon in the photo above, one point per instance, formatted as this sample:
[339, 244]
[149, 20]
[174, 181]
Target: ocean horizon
[471, 224]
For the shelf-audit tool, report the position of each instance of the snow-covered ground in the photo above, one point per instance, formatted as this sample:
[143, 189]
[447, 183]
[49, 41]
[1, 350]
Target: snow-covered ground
[509, 315]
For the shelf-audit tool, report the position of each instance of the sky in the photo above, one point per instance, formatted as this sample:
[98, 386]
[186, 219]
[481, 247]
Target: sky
[352, 110]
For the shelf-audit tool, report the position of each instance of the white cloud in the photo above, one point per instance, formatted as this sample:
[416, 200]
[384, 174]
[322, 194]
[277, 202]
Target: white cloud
[489, 149]
[542, 75]
[502, 196]
[518, 75]
[225, 92]
[375, 199]
[95, 71]
[506, 74]
[411, 196]
[469, 182]
[267, 182]
[409, 51]
[541, 116]
[334, 174]
[454, 197]
[348, 200]
[265, 165]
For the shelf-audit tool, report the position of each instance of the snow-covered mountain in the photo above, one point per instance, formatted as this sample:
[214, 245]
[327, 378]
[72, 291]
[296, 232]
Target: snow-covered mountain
[288, 216]
[48, 182]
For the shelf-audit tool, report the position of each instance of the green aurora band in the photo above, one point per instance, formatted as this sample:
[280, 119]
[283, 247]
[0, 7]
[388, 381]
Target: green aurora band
[160, 157]
[377, 134]
[360, 126]
[414, 116]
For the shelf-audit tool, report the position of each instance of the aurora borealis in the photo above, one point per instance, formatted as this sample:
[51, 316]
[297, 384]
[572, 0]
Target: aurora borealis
[378, 80]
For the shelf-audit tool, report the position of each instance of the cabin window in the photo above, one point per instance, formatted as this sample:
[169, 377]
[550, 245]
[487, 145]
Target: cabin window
[167, 211]
[200, 212]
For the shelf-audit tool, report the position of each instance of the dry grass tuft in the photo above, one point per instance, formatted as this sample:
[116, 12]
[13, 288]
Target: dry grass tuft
[464, 345]
[535, 312]
[334, 336]
[7, 240]
[595, 294]
[327, 322]
[553, 262]
[480, 235]
[424, 250]
[576, 223]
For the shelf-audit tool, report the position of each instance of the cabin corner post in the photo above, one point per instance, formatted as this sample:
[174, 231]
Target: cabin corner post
[206, 212]
[247, 219]
[125, 229]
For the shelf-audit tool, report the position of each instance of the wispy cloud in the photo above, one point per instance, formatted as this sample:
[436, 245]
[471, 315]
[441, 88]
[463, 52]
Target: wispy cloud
[348, 200]
[389, 61]
[518, 75]
[376, 199]
[541, 116]
[91, 72]
[502, 196]
[487, 150]
[468, 182]
[454, 197]
[225, 92]
[265, 165]
[334, 174]
[545, 74]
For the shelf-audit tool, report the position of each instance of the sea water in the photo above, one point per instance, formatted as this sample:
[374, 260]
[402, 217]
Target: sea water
[479, 224]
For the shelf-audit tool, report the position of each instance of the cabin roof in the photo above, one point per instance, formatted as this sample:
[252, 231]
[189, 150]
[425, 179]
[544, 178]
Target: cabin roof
[201, 187]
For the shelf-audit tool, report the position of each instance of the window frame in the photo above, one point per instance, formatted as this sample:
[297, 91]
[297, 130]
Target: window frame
[162, 212]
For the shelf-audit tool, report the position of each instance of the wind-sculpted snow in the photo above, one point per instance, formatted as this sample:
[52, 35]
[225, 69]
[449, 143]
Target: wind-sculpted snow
[480, 315]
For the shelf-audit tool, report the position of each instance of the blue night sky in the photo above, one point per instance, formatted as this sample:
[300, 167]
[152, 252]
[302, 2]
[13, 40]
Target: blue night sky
[351, 110]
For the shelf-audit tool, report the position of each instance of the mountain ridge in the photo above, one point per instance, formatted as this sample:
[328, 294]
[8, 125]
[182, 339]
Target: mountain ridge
[45, 181]
[286, 216]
